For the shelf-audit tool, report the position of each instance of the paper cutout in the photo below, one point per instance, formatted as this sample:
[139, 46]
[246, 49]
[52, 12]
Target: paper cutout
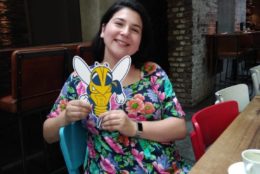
[102, 82]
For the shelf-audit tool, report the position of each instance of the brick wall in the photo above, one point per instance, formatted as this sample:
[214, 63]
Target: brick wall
[188, 22]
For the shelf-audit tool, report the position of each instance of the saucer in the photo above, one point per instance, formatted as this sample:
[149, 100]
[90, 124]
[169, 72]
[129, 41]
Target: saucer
[236, 168]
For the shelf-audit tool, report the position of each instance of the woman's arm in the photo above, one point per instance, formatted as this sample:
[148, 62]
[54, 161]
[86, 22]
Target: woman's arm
[51, 127]
[75, 110]
[165, 130]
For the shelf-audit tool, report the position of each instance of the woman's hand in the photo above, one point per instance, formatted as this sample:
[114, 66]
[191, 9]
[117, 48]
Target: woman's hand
[118, 120]
[77, 110]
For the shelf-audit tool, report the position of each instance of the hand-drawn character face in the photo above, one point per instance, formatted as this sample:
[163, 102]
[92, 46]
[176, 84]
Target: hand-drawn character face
[103, 82]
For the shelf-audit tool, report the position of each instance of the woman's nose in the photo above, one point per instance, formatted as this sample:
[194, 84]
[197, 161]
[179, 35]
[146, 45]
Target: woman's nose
[125, 30]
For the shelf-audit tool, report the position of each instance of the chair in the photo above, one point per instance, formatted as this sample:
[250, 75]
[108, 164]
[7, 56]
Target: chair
[209, 123]
[255, 76]
[73, 146]
[228, 50]
[256, 84]
[37, 76]
[84, 51]
[256, 69]
[239, 93]
[236, 50]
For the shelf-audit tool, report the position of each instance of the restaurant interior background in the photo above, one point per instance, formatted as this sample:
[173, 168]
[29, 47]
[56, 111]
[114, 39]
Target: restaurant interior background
[180, 29]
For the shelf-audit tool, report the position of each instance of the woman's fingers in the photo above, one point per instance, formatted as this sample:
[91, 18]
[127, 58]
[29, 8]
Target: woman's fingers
[77, 110]
[114, 120]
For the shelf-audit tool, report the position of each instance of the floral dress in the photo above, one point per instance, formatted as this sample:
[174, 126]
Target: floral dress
[151, 98]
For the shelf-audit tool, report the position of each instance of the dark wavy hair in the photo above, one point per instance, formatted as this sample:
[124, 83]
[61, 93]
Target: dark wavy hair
[145, 48]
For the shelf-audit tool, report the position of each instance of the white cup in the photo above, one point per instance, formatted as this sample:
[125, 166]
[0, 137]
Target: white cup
[251, 159]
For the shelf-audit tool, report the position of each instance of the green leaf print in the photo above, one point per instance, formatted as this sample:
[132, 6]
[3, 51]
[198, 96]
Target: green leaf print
[101, 144]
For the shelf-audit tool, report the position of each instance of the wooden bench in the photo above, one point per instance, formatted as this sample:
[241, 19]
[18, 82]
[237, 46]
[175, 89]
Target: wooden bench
[37, 76]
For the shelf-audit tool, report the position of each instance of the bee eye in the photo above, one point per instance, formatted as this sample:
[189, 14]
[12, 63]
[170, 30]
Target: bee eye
[109, 79]
[96, 79]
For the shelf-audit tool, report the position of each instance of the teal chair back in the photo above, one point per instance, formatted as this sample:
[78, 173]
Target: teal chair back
[73, 145]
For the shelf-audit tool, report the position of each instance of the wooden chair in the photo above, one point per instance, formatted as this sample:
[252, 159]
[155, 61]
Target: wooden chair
[37, 76]
[208, 123]
[84, 51]
[5, 82]
[239, 93]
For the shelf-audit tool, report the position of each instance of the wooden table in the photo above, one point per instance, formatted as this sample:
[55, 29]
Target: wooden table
[243, 133]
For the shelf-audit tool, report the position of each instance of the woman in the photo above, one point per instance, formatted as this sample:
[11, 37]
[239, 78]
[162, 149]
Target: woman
[137, 137]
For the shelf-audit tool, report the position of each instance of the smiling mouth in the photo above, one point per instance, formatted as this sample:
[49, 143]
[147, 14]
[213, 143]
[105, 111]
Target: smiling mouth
[121, 43]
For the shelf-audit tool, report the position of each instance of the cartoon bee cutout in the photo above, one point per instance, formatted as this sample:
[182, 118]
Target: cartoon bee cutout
[102, 82]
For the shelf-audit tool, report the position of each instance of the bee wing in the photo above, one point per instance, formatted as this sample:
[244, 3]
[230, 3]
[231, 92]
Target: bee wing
[82, 69]
[121, 68]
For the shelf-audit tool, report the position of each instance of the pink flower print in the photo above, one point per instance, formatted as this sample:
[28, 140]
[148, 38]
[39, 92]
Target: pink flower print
[124, 172]
[114, 105]
[137, 118]
[116, 147]
[148, 108]
[141, 118]
[155, 86]
[132, 116]
[178, 107]
[161, 95]
[139, 156]
[153, 80]
[91, 127]
[134, 106]
[54, 113]
[92, 152]
[81, 88]
[139, 96]
[107, 166]
[159, 168]
[150, 67]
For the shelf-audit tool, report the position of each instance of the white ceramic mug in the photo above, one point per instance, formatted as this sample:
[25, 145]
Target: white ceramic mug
[251, 159]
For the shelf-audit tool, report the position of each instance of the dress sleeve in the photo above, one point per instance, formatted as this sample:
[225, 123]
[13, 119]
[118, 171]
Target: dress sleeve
[68, 92]
[171, 105]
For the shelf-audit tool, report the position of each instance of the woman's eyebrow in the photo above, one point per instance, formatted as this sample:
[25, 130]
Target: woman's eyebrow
[123, 20]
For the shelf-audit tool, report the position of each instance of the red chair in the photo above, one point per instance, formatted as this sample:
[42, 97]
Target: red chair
[209, 123]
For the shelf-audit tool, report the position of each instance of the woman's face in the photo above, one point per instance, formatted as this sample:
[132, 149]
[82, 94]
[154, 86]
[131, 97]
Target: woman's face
[122, 34]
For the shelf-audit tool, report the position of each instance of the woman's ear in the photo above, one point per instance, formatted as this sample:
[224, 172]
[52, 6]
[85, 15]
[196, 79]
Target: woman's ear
[102, 31]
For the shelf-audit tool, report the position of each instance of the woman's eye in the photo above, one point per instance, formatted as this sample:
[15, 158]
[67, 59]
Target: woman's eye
[135, 30]
[119, 24]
